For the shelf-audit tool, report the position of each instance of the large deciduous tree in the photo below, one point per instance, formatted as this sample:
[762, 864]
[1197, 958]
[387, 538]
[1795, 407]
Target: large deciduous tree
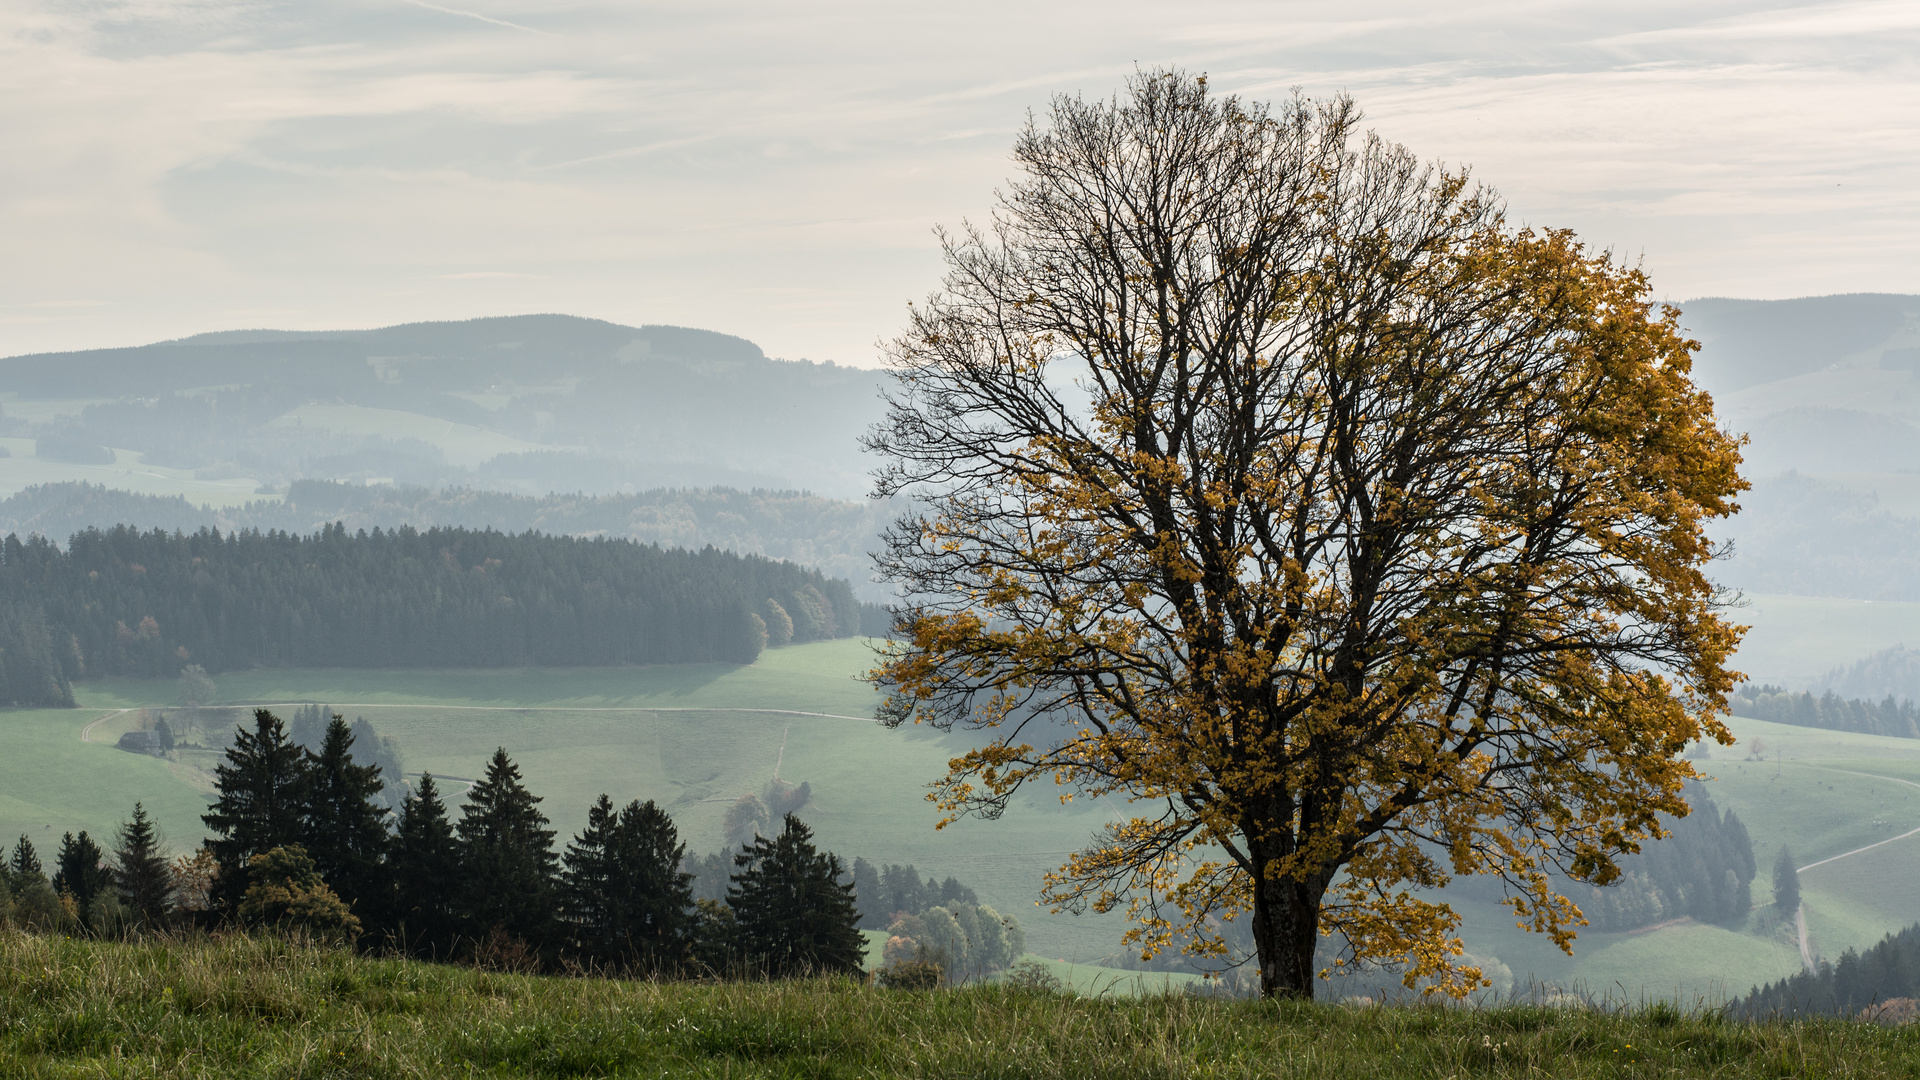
[1270, 479]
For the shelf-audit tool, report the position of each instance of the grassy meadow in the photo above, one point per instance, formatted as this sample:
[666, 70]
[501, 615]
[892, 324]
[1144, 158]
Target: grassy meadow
[238, 1007]
[696, 737]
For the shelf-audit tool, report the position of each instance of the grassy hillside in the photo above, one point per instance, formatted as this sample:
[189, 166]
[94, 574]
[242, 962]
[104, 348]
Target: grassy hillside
[238, 1007]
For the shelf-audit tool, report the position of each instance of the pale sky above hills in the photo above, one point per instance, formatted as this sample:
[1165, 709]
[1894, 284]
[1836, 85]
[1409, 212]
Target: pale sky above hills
[774, 169]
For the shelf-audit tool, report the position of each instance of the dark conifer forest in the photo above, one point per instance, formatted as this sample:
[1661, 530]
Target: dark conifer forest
[125, 602]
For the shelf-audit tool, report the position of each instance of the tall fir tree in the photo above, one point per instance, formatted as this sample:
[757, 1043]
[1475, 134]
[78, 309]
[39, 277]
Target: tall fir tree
[262, 793]
[507, 864]
[80, 869]
[623, 894]
[24, 863]
[345, 822]
[141, 873]
[1786, 885]
[794, 915]
[425, 870]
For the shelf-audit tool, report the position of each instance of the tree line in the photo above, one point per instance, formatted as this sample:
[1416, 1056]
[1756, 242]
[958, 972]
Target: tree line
[830, 535]
[302, 839]
[126, 602]
[1898, 718]
[1857, 984]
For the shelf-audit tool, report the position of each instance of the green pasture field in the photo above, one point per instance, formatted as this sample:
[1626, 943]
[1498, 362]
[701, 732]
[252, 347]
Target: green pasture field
[696, 737]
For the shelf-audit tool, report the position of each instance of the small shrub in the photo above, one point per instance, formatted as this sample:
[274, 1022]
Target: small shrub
[502, 951]
[912, 975]
[285, 890]
[1032, 977]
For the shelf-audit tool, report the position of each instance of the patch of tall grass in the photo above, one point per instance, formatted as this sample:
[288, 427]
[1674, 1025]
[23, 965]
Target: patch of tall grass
[235, 1006]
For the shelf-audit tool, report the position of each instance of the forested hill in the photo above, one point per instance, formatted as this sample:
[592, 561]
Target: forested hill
[829, 535]
[124, 602]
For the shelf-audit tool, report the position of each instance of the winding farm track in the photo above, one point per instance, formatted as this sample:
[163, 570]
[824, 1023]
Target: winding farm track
[87, 731]
[1869, 847]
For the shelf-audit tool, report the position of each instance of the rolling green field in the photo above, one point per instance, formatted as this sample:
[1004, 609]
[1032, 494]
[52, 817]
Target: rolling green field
[696, 737]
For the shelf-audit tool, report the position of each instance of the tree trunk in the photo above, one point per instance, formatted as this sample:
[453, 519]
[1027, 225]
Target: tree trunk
[1286, 931]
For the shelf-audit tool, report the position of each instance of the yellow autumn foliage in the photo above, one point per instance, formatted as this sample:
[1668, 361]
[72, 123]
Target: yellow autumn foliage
[1270, 479]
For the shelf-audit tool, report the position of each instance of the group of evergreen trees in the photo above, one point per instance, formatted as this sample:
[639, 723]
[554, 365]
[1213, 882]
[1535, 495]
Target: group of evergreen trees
[124, 602]
[1703, 870]
[91, 889]
[1898, 718]
[302, 837]
[1856, 982]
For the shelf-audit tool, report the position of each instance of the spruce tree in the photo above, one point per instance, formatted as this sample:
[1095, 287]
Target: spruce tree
[345, 825]
[262, 791]
[1786, 885]
[78, 869]
[507, 863]
[795, 916]
[589, 882]
[425, 868]
[142, 876]
[24, 863]
[624, 895]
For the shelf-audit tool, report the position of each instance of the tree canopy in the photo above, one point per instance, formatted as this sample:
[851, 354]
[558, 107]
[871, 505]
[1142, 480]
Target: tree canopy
[1271, 479]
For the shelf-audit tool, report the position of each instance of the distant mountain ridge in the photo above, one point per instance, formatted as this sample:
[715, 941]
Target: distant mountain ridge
[628, 407]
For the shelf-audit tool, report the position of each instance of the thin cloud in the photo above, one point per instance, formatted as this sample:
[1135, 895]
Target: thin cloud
[477, 15]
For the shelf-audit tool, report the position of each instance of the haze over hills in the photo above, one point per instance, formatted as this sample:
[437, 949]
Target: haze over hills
[476, 423]
[530, 403]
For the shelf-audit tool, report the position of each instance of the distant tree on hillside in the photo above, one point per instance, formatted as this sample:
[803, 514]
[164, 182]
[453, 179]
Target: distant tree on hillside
[795, 916]
[196, 686]
[261, 796]
[507, 864]
[745, 819]
[136, 603]
[1786, 884]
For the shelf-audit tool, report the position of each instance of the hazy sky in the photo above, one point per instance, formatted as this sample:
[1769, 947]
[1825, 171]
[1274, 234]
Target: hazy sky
[774, 169]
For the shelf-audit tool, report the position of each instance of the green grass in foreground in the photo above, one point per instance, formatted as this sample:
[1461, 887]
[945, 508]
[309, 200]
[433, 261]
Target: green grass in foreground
[243, 1008]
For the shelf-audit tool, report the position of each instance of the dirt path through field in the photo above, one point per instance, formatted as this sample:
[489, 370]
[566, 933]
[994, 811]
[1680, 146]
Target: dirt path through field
[1800, 926]
[86, 732]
